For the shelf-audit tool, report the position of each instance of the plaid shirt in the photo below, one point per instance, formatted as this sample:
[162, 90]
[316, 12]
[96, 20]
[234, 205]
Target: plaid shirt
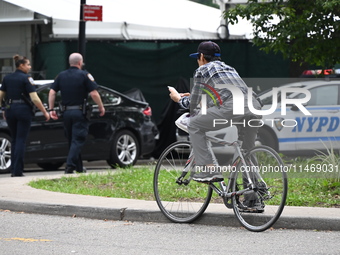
[213, 73]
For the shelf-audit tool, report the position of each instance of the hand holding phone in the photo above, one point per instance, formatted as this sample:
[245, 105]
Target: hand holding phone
[172, 89]
[174, 95]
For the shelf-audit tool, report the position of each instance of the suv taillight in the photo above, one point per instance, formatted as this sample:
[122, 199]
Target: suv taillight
[147, 111]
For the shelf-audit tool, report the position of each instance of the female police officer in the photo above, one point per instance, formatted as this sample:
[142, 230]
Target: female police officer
[14, 89]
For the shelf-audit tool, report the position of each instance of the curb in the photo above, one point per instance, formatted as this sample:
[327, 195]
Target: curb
[127, 214]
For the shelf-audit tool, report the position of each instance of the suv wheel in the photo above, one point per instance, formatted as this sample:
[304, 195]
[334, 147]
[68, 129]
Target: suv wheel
[5, 153]
[124, 150]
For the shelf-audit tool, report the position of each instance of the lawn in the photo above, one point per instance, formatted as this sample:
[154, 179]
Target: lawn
[137, 183]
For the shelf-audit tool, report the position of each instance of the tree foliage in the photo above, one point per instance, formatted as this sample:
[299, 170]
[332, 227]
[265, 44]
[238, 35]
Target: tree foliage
[302, 30]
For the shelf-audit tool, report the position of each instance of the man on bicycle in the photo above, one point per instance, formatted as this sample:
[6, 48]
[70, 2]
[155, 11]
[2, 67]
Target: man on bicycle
[210, 73]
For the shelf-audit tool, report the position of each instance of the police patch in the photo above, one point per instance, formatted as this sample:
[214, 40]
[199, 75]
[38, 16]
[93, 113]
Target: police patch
[90, 77]
[30, 79]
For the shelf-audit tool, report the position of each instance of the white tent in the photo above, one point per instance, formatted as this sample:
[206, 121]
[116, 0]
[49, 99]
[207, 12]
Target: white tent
[122, 19]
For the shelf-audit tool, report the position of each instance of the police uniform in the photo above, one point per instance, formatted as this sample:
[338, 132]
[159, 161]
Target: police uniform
[18, 115]
[74, 85]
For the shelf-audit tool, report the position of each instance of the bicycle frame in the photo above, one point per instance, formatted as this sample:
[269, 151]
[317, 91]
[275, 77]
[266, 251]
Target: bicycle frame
[224, 189]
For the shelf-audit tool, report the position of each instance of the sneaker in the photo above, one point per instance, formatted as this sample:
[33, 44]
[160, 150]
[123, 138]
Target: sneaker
[252, 206]
[207, 177]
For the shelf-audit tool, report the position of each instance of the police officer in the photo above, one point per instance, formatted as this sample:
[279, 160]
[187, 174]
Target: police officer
[74, 85]
[18, 90]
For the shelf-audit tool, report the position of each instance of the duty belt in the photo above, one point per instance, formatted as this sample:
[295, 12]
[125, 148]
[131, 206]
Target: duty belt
[73, 107]
[16, 101]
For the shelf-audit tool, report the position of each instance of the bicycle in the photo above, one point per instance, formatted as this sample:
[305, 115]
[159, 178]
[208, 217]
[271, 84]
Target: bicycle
[256, 188]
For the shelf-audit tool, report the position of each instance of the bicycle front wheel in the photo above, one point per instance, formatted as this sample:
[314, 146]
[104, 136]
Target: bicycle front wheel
[259, 208]
[178, 197]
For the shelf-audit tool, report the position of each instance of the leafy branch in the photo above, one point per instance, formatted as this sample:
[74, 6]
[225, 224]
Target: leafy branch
[302, 30]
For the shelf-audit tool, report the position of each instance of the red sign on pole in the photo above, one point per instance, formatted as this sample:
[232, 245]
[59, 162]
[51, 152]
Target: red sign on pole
[93, 12]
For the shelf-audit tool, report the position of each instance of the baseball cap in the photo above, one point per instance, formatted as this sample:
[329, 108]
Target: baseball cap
[207, 48]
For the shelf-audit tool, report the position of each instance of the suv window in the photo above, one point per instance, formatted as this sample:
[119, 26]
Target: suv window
[43, 95]
[107, 97]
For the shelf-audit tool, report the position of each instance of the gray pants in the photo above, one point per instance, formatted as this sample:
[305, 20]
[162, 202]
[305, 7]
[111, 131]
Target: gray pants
[200, 124]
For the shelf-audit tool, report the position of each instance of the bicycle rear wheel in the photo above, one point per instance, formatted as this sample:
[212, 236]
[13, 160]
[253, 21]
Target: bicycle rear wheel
[258, 209]
[180, 200]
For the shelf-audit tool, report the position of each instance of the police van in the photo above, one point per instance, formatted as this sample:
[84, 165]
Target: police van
[302, 123]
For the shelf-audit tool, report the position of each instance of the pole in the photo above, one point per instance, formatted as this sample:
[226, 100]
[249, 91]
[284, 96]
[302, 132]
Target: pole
[82, 27]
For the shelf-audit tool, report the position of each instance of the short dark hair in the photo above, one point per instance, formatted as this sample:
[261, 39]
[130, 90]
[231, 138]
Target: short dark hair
[210, 58]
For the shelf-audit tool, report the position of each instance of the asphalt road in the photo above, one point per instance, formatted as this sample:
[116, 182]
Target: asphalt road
[22, 233]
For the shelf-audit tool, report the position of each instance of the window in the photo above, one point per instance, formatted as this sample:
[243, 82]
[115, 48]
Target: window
[267, 97]
[323, 95]
[107, 97]
[43, 95]
[6, 67]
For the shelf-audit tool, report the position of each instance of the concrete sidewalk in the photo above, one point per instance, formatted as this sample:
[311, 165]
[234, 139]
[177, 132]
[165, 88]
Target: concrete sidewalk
[16, 195]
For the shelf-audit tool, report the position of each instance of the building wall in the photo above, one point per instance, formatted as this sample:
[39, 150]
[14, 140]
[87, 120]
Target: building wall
[15, 34]
[15, 39]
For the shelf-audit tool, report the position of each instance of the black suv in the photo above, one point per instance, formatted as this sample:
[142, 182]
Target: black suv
[120, 137]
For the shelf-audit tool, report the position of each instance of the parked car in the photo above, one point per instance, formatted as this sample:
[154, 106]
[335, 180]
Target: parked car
[120, 137]
[295, 133]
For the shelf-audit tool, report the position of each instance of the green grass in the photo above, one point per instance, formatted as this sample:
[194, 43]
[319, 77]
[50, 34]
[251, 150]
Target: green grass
[137, 183]
[127, 183]
[313, 192]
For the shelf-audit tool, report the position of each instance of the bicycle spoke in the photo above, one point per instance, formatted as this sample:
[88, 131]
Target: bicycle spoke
[179, 201]
[259, 209]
